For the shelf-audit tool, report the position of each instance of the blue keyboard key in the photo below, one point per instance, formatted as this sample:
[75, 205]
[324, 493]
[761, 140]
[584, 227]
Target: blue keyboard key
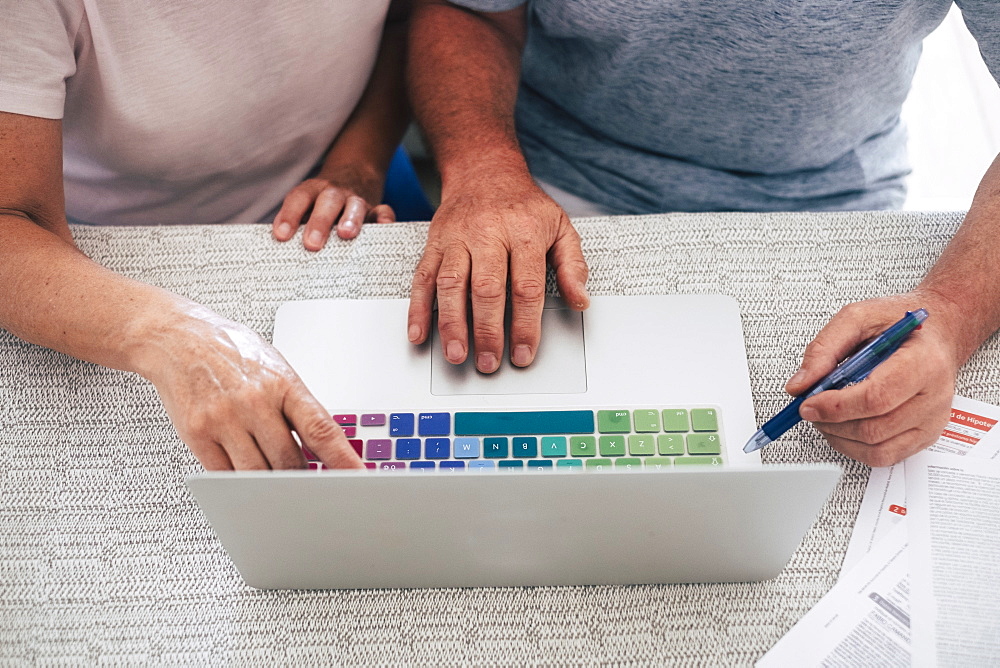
[525, 446]
[481, 464]
[511, 464]
[539, 465]
[466, 447]
[437, 448]
[421, 465]
[435, 424]
[401, 424]
[407, 448]
[452, 466]
[495, 448]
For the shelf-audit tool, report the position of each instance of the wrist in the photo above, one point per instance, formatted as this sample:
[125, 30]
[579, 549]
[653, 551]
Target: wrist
[154, 333]
[497, 169]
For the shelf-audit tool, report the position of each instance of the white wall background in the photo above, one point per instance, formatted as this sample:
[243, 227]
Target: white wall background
[953, 115]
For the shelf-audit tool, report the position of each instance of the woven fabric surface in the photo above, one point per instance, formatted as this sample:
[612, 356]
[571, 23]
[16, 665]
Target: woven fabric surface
[105, 557]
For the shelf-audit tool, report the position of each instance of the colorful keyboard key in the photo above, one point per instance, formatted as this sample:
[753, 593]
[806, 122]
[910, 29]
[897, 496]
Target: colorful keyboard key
[704, 444]
[378, 448]
[407, 448]
[525, 446]
[511, 465]
[670, 444]
[392, 466]
[466, 447]
[612, 446]
[422, 465]
[358, 445]
[675, 419]
[599, 464]
[513, 423]
[538, 465]
[614, 422]
[434, 424]
[437, 448]
[401, 424]
[576, 464]
[482, 465]
[704, 419]
[698, 461]
[350, 432]
[345, 419]
[646, 421]
[583, 446]
[495, 448]
[452, 466]
[642, 444]
[553, 446]
[628, 463]
[659, 463]
[373, 420]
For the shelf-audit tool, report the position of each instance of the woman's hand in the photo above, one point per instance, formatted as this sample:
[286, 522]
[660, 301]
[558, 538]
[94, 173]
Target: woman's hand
[341, 196]
[234, 399]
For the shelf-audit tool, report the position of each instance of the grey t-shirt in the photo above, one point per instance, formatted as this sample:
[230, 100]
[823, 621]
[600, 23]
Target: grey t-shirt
[701, 105]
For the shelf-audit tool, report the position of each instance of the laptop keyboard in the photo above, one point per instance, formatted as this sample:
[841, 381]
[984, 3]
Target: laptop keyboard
[535, 440]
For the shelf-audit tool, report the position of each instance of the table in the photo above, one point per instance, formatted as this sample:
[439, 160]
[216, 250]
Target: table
[104, 555]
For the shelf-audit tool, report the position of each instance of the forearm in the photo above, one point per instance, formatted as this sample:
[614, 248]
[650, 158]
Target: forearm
[376, 126]
[54, 296]
[967, 274]
[464, 88]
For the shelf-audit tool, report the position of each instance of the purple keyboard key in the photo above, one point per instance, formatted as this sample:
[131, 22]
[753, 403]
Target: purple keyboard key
[345, 419]
[392, 466]
[350, 432]
[378, 448]
[373, 420]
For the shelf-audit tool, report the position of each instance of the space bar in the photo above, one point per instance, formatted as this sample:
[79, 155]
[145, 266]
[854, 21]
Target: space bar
[513, 423]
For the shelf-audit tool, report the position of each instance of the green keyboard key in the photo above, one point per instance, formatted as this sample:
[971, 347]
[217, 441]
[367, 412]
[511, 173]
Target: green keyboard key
[698, 461]
[614, 422]
[646, 421]
[704, 444]
[628, 463]
[670, 444]
[599, 464]
[642, 444]
[553, 446]
[612, 446]
[704, 419]
[659, 463]
[675, 419]
[570, 464]
[583, 446]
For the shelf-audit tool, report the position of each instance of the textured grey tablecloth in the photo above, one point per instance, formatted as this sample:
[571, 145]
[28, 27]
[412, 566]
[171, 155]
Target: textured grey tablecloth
[104, 556]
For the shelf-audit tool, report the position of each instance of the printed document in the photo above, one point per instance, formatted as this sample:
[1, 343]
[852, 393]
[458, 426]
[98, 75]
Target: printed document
[954, 527]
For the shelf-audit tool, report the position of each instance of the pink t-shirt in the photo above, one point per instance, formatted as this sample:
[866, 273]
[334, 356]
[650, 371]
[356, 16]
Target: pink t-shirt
[178, 111]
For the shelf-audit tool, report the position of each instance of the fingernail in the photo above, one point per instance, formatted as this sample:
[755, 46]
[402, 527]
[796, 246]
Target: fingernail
[315, 238]
[455, 351]
[809, 414]
[413, 333]
[486, 362]
[522, 355]
[799, 375]
[348, 225]
[284, 230]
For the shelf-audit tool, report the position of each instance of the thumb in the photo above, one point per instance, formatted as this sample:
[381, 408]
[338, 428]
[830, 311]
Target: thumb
[566, 257]
[846, 332]
[318, 431]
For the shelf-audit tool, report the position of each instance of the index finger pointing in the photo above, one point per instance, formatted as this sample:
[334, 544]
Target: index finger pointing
[318, 431]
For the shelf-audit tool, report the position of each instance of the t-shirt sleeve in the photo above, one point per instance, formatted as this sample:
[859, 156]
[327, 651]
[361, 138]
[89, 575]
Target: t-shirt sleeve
[489, 5]
[36, 55]
[983, 20]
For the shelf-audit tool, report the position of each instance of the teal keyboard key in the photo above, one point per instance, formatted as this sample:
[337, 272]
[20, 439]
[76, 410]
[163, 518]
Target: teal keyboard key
[512, 423]
[466, 447]
[553, 446]
[525, 446]
[704, 419]
[539, 465]
[614, 422]
[569, 464]
[495, 448]
[511, 464]
[704, 444]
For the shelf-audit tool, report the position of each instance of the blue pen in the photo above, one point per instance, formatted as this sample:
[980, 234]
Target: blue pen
[853, 370]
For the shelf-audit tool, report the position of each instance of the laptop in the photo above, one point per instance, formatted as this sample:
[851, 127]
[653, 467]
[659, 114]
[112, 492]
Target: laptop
[615, 458]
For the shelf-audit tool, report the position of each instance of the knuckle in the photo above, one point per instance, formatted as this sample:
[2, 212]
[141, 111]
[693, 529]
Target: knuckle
[321, 428]
[879, 457]
[877, 398]
[488, 287]
[528, 289]
[871, 432]
[449, 281]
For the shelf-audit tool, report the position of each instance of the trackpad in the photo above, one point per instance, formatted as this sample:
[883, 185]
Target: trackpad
[560, 367]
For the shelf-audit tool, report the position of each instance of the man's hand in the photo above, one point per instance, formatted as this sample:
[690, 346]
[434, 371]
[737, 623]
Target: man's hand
[341, 196]
[234, 399]
[902, 407]
[473, 240]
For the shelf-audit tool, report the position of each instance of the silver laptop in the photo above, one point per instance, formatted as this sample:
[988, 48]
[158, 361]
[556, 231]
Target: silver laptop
[616, 458]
